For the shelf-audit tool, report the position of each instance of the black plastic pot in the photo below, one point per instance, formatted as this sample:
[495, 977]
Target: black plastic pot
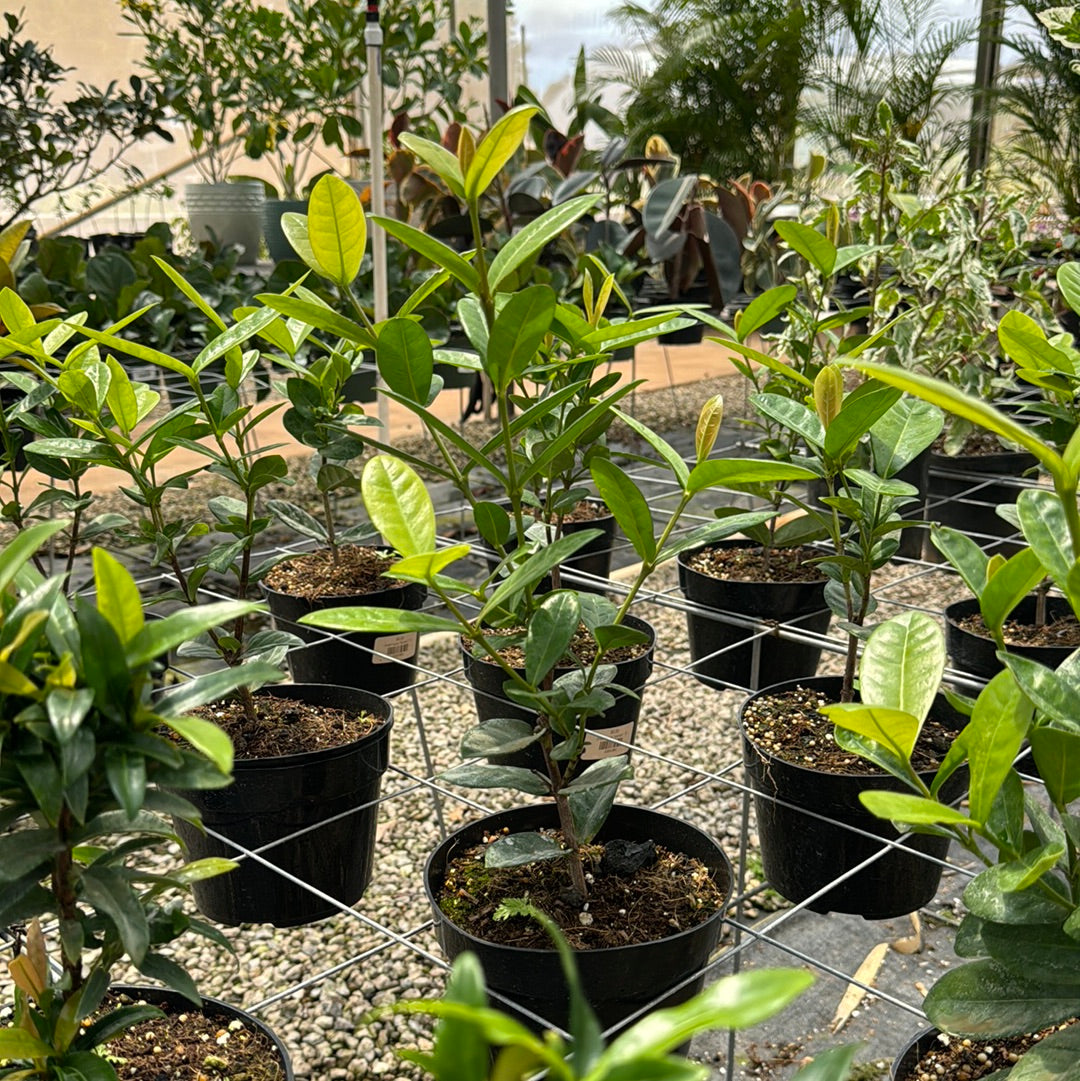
[801, 604]
[617, 982]
[170, 1001]
[903, 1066]
[913, 538]
[976, 654]
[277, 243]
[962, 493]
[802, 854]
[617, 723]
[274, 798]
[379, 663]
[360, 386]
[594, 559]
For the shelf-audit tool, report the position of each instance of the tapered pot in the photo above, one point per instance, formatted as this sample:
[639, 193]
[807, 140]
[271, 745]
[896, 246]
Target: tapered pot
[276, 242]
[903, 1066]
[617, 982]
[722, 653]
[327, 799]
[607, 733]
[976, 654]
[379, 663]
[228, 213]
[594, 559]
[172, 1002]
[803, 853]
[965, 490]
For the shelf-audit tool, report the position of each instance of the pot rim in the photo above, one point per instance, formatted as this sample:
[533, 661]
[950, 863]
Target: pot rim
[391, 587]
[687, 553]
[526, 952]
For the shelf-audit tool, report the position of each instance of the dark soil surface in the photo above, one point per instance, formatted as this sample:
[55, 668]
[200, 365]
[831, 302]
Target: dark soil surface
[964, 1059]
[1058, 632]
[581, 653]
[666, 895]
[583, 512]
[287, 726]
[356, 572]
[789, 726]
[977, 445]
[748, 565]
[189, 1045]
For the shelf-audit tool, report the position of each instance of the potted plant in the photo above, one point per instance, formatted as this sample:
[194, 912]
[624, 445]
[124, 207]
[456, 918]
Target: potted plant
[287, 742]
[525, 339]
[201, 50]
[91, 763]
[1022, 907]
[475, 1041]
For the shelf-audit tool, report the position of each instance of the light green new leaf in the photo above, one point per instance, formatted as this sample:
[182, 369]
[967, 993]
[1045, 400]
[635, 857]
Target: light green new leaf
[17, 1043]
[378, 620]
[740, 473]
[399, 505]
[764, 308]
[405, 359]
[1068, 279]
[118, 598]
[295, 228]
[902, 665]
[18, 551]
[910, 809]
[1008, 586]
[429, 247]
[894, 728]
[160, 635]
[318, 315]
[495, 149]
[439, 158]
[1024, 341]
[336, 230]
[120, 398]
[424, 566]
[206, 738]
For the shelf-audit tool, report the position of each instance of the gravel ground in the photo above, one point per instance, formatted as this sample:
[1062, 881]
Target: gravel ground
[330, 975]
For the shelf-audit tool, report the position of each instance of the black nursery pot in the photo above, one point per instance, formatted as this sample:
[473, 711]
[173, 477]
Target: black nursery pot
[617, 982]
[976, 654]
[379, 663]
[617, 723]
[799, 603]
[593, 559]
[273, 798]
[170, 1002]
[903, 1066]
[802, 854]
[963, 494]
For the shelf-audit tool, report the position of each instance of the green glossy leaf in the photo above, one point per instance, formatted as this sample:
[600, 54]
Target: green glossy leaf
[161, 635]
[608, 771]
[1040, 948]
[1046, 529]
[502, 735]
[17, 1043]
[590, 808]
[629, 506]
[764, 308]
[428, 247]
[492, 522]
[495, 149]
[861, 409]
[793, 415]
[478, 775]
[664, 203]
[405, 359]
[1052, 693]
[1002, 893]
[949, 398]
[172, 975]
[999, 722]
[126, 774]
[18, 551]
[1068, 279]
[910, 809]
[237, 335]
[902, 433]
[530, 239]
[399, 505]
[108, 892]
[550, 632]
[424, 566]
[982, 998]
[378, 620]
[320, 316]
[518, 849]
[663, 448]
[814, 247]
[1053, 1058]
[337, 232]
[67, 708]
[741, 473]
[964, 554]
[1024, 342]
[1057, 754]
[516, 334]
[118, 598]
[211, 686]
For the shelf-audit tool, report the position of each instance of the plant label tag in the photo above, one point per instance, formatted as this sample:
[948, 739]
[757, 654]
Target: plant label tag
[395, 647]
[602, 742]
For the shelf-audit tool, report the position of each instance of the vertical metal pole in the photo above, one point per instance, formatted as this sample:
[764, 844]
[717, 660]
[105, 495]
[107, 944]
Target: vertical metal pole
[499, 78]
[982, 98]
[373, 39]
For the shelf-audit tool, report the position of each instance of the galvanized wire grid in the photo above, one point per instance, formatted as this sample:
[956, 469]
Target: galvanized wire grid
[415, 727]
